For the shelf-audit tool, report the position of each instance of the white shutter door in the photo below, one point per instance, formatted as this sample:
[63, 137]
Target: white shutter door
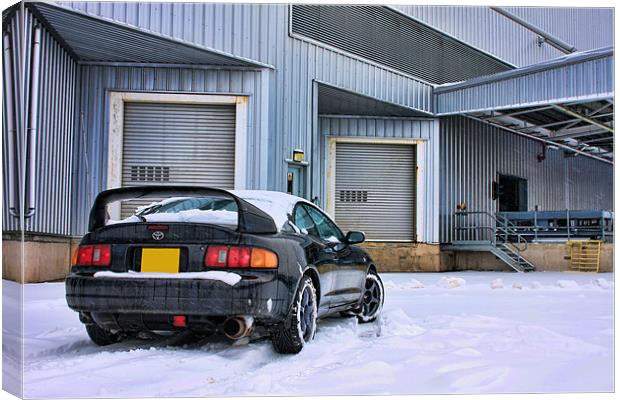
[177, 144]
[375, 190]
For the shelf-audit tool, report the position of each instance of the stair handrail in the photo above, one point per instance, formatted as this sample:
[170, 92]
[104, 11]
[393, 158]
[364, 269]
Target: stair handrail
[507, 226]
[514, 230]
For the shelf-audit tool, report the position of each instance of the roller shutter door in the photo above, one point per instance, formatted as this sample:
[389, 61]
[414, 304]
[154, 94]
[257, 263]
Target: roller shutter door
[172, 144]
[375, 190]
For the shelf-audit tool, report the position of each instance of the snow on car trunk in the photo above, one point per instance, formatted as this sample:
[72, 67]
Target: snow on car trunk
[533, 333]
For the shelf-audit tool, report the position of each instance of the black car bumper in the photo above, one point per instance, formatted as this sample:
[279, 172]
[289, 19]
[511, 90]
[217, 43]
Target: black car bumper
[264, 298]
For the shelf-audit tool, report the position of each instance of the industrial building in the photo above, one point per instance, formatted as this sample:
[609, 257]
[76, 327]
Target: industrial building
[419, 125]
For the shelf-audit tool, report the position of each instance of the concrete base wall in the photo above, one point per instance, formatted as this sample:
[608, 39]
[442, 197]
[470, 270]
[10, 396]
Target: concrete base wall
[409, 257]
[546, 257]
[419, 257]
[46, 258]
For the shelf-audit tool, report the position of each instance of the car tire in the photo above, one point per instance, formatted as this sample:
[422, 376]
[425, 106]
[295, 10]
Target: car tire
[100, 336]
[372, 300]
[299, 327]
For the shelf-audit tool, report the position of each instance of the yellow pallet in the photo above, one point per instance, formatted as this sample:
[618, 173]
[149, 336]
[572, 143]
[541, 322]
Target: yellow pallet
[585, 255]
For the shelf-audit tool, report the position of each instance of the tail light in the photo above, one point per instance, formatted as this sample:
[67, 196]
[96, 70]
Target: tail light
[217, 256]
[262, 258]
[240, 257]
[99, 255]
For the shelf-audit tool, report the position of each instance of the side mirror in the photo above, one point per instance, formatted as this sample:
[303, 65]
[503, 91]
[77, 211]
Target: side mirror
[354, 237]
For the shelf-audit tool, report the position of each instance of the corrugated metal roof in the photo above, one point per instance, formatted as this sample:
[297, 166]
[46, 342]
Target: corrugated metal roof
[93, 38]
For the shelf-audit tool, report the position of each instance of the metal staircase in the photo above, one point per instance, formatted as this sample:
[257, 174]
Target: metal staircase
[491, 233]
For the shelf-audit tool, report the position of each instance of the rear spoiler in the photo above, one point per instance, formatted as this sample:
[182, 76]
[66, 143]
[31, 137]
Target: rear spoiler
[251, 219]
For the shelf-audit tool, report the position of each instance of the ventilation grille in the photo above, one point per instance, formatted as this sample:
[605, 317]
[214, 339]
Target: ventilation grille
[386, 37]
[150, 173]
[354, 196]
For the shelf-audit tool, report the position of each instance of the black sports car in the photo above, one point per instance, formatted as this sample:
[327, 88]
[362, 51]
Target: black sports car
[218, 261]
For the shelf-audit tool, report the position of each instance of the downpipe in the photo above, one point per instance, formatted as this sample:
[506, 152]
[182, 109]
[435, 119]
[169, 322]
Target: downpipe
[237, 327]
[10, 121]
[32, 122]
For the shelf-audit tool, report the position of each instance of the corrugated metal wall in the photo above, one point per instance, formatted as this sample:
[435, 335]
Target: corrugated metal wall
[258, 32]
[261, 32]
[473, 154]
[90, 156]
[389, 38]
[563, 21]
[397, 128]
[57, 89]
[589, 184]
[492, 32]
[390, 127]
[586, 28]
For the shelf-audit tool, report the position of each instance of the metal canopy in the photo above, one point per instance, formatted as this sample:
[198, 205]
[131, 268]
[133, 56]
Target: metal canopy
[579, 77]
[566, 102]
[94, 39]
[337, 101]
[584, 128]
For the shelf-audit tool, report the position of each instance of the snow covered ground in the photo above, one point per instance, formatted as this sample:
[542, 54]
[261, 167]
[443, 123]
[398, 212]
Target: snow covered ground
[469, 332]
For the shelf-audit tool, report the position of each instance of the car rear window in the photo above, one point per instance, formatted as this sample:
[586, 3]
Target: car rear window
[215, 210]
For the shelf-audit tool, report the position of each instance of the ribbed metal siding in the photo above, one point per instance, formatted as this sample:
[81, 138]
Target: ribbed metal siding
[55, 130]
[167, 144]
[493, 33]
[597, 24]
[260, 32]
[212, 25]
[473, 154]
[284, 102]
[90, 154]
[383, 36]
[589, 184]
[375, 190]
[331, 125]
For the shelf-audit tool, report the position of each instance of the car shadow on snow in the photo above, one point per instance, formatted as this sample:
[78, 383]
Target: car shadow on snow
[214, 344]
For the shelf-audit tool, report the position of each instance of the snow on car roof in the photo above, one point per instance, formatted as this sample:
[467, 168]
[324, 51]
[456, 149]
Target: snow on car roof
[277, 205]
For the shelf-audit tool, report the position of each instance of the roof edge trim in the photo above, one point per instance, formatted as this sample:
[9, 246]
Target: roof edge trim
[556, 101]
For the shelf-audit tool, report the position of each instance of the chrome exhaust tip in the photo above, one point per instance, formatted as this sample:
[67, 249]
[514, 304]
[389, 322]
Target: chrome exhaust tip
[237, 327]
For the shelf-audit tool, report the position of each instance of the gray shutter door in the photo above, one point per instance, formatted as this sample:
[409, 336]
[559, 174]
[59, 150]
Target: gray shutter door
[375, 190]
[177, 144]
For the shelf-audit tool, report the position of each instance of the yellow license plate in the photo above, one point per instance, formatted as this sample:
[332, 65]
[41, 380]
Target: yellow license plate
[160, 260]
